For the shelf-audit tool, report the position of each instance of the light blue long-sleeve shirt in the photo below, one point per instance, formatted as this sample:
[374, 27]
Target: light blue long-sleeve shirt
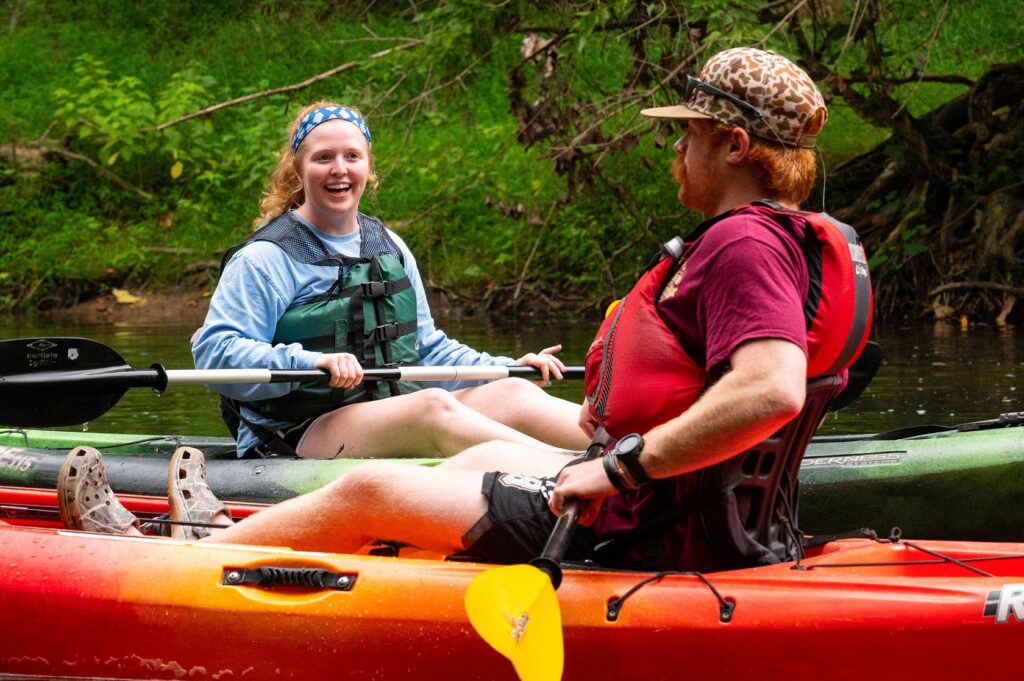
[259, 283]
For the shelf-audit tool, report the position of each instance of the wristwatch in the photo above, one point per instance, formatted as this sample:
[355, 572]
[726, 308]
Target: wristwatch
[627, 453]
[622, 463]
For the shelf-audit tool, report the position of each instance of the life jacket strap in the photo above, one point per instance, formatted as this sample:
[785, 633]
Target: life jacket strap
[387, 332]
[272, 443]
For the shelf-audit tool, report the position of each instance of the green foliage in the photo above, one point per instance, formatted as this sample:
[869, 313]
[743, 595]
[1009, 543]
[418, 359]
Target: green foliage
[463, 182]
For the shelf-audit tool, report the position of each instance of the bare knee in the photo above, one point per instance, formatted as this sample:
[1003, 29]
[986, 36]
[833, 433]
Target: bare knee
[437, 411]
[434, 402]
[366, 486]
[519, 389]
[510, 402]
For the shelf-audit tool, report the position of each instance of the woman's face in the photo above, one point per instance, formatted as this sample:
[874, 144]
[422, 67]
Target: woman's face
[333, 165]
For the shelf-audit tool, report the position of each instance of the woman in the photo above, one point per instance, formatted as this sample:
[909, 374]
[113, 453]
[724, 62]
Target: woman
[321, 285]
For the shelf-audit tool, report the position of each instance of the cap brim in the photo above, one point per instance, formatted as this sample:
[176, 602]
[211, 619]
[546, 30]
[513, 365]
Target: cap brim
[677, 111]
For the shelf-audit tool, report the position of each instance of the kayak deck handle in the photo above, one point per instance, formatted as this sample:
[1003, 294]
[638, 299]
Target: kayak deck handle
[269, 576]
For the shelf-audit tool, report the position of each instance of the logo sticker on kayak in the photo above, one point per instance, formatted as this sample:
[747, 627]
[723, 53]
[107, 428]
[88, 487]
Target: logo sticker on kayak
[855, 461]
[1006, 602]
[17, 460]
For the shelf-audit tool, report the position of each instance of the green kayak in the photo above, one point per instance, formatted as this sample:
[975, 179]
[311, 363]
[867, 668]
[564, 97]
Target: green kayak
[953, 483]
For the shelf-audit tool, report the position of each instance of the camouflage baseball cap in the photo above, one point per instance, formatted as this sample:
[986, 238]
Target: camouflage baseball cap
[762, 92]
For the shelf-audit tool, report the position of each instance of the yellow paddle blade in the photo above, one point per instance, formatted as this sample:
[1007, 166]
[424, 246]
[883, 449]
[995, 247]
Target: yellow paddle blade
[611, 307]
[514, 609]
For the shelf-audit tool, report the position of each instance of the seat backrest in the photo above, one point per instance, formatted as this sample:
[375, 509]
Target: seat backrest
[768, 489]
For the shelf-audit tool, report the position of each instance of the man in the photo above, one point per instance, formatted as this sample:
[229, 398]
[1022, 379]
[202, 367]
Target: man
[728, 318]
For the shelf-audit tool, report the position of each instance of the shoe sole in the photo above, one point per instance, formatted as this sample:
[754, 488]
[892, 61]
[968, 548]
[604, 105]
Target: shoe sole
[186, 487]
[76, 464]
[81, 472]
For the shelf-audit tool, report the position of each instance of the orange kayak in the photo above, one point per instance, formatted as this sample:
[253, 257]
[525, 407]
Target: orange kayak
[88, 606]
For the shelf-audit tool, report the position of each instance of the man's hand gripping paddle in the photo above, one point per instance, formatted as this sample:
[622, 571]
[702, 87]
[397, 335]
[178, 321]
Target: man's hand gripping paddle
[514, 608]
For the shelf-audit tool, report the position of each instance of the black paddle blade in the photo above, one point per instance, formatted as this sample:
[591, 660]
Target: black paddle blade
[38, 386]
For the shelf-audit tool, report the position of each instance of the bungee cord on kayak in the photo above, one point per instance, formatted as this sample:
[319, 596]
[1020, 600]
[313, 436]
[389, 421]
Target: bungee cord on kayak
[726, 607]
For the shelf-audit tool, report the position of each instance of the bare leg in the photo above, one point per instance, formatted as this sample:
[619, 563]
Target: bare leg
[431, 422]
[509, 457]
[431, 508]
[526, 407]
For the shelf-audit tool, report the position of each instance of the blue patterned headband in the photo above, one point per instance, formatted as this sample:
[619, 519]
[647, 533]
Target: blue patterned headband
[324, 114]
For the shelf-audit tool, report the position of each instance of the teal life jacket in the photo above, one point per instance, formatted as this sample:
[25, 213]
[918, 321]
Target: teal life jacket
[370, 312]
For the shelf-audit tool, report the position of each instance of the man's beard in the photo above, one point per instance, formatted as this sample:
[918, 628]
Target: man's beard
[694, 192]
[679, 175]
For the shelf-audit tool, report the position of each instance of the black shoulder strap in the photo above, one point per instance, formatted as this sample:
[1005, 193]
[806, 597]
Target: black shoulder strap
[374, 239]
[271, 443]
[293, 237]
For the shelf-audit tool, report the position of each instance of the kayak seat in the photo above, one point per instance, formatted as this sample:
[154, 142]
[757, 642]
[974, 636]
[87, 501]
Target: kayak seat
[738, 513]
[766, 487]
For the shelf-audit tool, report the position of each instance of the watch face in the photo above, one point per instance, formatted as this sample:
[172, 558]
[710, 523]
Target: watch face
[630, 444]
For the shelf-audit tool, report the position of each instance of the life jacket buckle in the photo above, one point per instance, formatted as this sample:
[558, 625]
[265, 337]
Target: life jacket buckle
[385, 332]
[374, 289]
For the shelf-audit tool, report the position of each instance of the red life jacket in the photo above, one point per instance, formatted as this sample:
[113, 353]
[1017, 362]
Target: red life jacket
[654, 379]
[637, 374]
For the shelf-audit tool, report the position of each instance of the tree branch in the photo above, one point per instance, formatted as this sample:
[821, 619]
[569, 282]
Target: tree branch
[427, 92]
[610, 26]
[951, 78]
[100, 170]
[287, 88]
[1015, 290]
[533, 250]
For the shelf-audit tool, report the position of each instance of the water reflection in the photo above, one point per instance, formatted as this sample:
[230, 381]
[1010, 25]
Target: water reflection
[931, 374]
[942, 374]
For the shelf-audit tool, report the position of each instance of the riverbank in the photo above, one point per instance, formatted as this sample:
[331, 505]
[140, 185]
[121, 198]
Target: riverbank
[174, 305]
[184, 304]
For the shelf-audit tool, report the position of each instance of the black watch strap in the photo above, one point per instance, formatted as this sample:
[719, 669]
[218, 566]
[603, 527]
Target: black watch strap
[636, 469]
[631, 462]
[612, 471]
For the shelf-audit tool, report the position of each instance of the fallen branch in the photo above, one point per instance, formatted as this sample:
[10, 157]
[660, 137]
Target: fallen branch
[100, 170]
[1015, 290]
[287, 88]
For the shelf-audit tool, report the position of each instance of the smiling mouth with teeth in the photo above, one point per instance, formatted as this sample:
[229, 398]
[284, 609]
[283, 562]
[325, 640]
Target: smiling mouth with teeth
[338, 188]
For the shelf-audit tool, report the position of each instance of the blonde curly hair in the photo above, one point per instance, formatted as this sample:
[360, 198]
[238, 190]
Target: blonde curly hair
[284, 190]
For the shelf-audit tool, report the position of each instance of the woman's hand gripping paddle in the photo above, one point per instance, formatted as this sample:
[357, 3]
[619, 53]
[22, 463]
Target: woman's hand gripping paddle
[514, 608]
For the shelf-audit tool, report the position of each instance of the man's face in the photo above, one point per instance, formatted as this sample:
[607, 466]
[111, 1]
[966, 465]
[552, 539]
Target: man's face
[694, 166]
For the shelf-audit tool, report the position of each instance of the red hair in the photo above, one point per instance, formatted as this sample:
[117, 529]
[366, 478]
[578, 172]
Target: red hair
[784, 173]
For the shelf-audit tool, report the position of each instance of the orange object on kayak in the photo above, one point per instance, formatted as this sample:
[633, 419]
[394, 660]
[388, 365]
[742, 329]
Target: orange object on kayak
[81, 605]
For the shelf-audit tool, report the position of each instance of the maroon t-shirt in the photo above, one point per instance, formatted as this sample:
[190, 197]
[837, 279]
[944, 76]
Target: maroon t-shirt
[744, 277]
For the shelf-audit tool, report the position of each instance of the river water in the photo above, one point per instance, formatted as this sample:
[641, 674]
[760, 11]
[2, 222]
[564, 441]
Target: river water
[939, 373]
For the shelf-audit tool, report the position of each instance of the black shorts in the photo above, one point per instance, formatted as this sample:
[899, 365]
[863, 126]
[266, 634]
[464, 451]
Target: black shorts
[518, 522]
